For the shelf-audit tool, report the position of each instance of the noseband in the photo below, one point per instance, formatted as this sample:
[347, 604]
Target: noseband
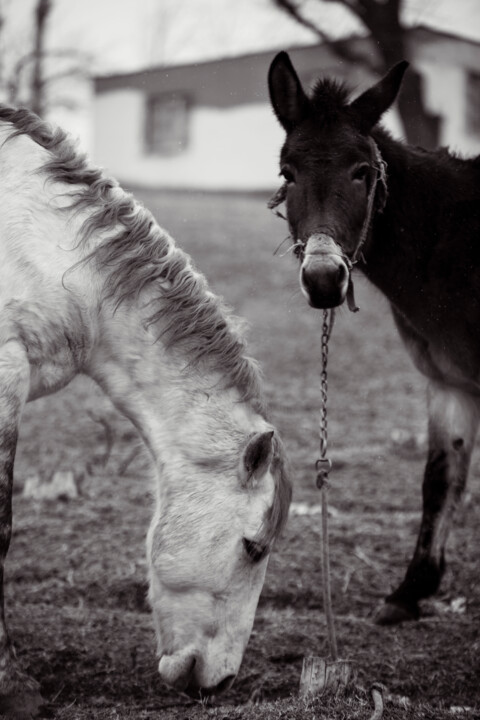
[380, 182]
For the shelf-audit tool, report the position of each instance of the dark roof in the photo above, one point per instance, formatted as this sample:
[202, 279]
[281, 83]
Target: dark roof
[243, 79]
[227, 81]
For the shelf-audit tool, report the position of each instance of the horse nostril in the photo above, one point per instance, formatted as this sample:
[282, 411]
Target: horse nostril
[177, 670]
[224, 684]
[222, 687]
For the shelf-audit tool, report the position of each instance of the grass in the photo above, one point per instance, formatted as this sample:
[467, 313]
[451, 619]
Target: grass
[76, 571]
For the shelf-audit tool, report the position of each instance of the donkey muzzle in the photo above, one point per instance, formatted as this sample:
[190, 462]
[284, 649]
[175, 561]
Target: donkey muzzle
[324, 274]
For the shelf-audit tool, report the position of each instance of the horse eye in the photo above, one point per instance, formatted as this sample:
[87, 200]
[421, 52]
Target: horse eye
[360, 173]
[254, 550]
[287, 174]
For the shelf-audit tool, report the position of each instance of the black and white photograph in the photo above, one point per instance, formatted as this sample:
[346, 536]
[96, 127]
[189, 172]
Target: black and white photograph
[239, 359]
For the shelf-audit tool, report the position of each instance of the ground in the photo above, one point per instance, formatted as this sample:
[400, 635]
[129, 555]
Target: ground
[75, 576]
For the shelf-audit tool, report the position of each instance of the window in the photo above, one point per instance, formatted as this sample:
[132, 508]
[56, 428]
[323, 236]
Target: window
[473, 102]
[167, 124]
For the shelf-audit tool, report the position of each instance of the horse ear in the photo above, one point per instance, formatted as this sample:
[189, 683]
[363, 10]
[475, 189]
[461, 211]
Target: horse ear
[289, 101]
[256, 457]
[368, 108]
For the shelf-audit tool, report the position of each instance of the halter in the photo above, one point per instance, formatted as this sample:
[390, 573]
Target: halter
[380, 179]
[380, 167]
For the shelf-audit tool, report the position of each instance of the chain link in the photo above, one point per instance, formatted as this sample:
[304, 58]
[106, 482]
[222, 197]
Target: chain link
[323, 467]
[323, 464]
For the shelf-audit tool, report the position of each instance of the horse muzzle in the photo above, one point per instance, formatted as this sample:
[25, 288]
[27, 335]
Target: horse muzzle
[184, 672]
[324, 274]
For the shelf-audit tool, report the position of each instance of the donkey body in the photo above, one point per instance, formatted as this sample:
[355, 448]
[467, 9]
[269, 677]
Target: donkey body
[414, 231]
[89, 283]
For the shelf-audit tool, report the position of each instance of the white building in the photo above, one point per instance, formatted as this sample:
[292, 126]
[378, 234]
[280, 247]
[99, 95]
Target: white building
[209, 125]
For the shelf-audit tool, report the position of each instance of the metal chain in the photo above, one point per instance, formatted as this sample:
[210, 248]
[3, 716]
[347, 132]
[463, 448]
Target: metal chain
[323, 464]
[323, 467]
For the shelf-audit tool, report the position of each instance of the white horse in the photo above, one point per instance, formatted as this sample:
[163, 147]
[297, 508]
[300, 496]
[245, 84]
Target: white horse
[91, 284]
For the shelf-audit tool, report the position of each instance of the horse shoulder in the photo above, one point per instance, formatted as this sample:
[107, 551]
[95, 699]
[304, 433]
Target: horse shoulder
[42, 306]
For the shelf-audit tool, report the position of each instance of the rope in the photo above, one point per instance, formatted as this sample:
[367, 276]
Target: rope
[380, 177]
[323, 466]
[380, 199]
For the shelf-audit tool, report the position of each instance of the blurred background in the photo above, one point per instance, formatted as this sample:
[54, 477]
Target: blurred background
[173, 93]
[170, 96]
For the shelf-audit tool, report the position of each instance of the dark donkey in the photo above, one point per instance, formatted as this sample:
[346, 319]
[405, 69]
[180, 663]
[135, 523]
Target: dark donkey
[416, 235]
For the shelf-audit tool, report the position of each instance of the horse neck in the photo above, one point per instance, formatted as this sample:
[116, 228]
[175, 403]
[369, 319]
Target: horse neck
[172, 403]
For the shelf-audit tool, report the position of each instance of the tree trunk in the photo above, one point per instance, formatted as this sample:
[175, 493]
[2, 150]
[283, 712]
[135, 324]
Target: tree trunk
[37, 100]
[382, 20]
[421, 127]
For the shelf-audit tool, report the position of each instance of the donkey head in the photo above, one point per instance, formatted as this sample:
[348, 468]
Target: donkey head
[331, 168]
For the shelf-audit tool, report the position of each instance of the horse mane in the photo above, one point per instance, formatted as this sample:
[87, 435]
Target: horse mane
[136, 253]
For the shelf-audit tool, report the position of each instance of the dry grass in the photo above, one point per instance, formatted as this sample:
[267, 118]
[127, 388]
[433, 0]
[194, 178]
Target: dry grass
[76, 571]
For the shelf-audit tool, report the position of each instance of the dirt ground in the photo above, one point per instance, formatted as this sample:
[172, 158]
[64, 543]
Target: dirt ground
[75, 576]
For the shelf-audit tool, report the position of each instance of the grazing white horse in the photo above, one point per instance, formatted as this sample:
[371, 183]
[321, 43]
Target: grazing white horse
[89, 283]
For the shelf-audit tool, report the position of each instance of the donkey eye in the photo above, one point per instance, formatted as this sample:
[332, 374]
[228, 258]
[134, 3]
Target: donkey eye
[287, 174]
[360, 173]
[254, 550]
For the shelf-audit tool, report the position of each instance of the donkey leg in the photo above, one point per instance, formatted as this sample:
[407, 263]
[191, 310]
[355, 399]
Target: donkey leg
[453, 422]
[19, 695]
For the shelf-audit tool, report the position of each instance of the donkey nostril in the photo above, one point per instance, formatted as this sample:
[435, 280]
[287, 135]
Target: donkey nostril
[341, 274]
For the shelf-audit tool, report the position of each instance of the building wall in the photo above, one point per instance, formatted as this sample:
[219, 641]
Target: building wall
[445, 87]
[234, 139]
[444, 65]
[234, 148]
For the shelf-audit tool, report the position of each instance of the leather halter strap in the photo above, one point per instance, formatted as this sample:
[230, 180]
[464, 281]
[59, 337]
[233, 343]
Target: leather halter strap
[380, 167]
[375, 203]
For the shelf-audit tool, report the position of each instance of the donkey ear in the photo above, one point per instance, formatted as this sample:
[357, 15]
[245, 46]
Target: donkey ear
[368, 108]
[287, 96]
[256, 457]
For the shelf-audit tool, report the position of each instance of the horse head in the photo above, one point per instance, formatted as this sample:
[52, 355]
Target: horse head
[334, 175]
[208, 549]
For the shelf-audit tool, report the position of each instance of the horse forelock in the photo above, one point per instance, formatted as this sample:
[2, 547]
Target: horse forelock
[135, 253]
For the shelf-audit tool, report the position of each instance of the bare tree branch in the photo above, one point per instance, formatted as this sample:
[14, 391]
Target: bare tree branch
[2, 26]
[382, 20]
[77, 72]
[42, 11]
[354, 5]
[29, 73]
[342, 48]
[292, 9]
[77, 69]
